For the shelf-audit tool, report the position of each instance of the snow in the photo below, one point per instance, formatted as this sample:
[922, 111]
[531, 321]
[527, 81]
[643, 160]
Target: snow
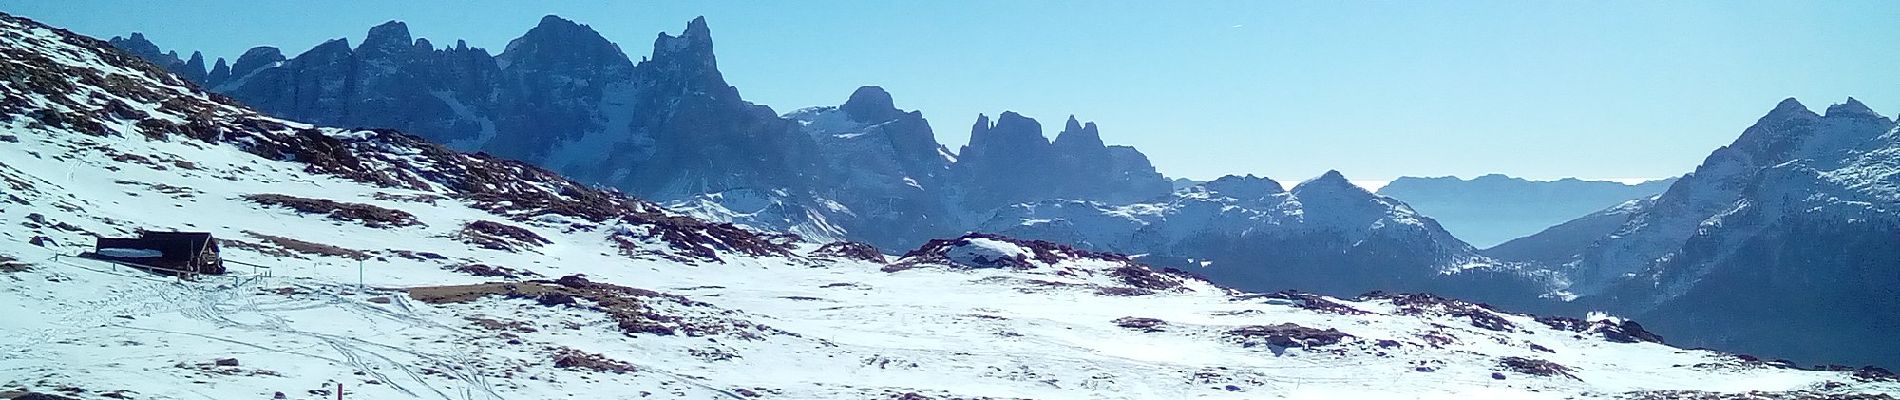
[844, 329]
[766, 210]
[984, 253]
[130, 253]
[916, 331]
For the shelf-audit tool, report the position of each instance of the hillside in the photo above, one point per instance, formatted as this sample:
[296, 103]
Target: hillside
[395, 268]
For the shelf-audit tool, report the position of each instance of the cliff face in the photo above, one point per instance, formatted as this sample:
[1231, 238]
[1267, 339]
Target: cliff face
[1009, 161]
[560, 96]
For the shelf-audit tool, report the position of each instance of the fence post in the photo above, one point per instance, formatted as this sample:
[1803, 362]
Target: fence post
[339, 391]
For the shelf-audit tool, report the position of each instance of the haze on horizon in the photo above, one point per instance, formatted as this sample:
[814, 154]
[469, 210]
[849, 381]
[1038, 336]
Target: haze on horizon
[1606, 90]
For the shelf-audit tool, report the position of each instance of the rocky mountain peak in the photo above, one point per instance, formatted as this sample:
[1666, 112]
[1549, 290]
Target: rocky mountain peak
[697, 28]
[194, 69]
[1013, 122]
[559, 44]
[145, 49]
[693, 45]
[254, 59]
[137, 44]
[1788, 109]
[1330, 182]
[1009, 130]
[1496, 177]
[1244, 187]
[339, 47]
[871, 104]
[1852, 108]
[1076, 135]
[220, 72]
[392, 33]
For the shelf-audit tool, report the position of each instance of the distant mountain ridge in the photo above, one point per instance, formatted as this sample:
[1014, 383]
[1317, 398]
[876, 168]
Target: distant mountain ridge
[1491, 209]
[1324, 235]
[669, 128]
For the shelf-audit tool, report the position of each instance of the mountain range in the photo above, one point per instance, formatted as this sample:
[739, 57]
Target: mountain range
[669, 128]
[1324, 235]
[1793, 222]
[377, 264]
[1492, 209]
[1794, 226]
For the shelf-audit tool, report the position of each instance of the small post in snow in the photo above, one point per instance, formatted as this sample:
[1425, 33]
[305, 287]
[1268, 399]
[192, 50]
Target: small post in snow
[359, 276]
[339, 391]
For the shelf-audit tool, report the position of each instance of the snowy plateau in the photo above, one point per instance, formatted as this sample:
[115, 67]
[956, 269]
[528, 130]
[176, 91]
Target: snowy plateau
[393, 268]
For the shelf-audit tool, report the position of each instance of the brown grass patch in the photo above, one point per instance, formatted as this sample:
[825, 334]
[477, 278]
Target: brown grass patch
[570, 358]
[499, 236]
[8, 264]
[372, 216]
[492, 271]
[630, 308]
[300, 246]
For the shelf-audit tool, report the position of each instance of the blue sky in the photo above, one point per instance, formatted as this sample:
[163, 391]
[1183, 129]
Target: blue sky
[1287, 89]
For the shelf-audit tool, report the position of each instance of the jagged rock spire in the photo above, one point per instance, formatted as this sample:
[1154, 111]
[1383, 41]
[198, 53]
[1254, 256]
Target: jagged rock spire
[220, 72]
[693, 46]
[1079, 136]
[194, 69]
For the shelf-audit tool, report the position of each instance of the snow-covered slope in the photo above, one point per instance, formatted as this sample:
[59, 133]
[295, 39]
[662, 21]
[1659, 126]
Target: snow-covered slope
[431, 274]
[1797, 222]
[1561, 243]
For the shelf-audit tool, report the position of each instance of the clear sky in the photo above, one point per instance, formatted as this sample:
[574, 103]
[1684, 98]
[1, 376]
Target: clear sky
[1287, 89]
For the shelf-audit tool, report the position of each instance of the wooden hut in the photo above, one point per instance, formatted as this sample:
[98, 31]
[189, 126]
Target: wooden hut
[185, 253]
